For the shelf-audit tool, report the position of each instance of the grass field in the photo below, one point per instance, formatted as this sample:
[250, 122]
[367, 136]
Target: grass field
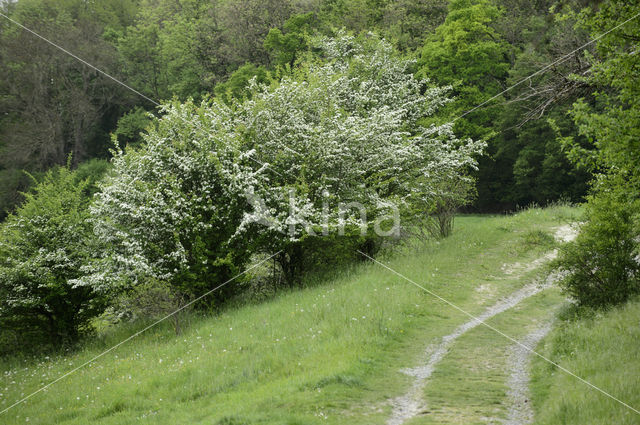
[604, 349]
[327, 354]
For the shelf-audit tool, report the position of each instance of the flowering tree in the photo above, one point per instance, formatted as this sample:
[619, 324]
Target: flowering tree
[344, 131]
[325, 150]
[170, 209]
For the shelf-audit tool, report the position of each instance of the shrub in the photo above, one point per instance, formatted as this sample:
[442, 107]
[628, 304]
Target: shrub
[236, 86]
[92, 171]
[131, 125]
[345, 130]
[154, 300]
[214, 184]
[42, 249]
[169, 210]
[601, 267]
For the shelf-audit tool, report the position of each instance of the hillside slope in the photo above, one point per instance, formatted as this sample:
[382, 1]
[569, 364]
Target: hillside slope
[331, 353]
[604, 349]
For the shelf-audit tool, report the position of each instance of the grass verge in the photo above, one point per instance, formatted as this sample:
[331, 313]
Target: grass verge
[602, 348]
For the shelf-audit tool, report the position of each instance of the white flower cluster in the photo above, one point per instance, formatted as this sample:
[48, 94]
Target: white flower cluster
[346, 132]
[214, 182]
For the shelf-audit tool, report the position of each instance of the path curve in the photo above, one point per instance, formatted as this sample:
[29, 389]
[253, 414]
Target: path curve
[410, 404]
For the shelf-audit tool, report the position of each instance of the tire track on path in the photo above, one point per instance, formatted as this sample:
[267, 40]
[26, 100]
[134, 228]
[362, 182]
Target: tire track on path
[520, 409]
[411, 403]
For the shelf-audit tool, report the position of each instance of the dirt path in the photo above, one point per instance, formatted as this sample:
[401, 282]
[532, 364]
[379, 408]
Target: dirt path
[411, 403]
[520, 409]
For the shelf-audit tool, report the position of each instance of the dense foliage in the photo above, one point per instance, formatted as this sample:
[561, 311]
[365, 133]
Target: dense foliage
[42, 249]
[189, 48]
[214, 183]
[326, 159]
[603, 267]
[170, 208]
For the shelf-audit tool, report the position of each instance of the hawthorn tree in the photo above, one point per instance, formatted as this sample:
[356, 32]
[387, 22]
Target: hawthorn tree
[215, 183]
[345, 131]
[170, 208]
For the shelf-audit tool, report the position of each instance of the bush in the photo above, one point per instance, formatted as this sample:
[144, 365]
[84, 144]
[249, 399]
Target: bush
[169, 210]
[42, 249]
[601, 267]
[345, 130]
[154, 300]
[92, 171]
[214, 184]
[236, 86]
[131, 125]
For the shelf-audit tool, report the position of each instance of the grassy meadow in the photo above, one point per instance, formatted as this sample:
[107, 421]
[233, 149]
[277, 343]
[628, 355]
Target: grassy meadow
[327, 354]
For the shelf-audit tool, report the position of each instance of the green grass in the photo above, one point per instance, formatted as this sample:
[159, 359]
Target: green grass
[328, 354]
[602, 348]
[469, 384]
[538, 237]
